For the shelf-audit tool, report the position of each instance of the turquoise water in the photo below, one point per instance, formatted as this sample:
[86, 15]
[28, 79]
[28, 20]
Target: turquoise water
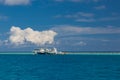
[59, 67]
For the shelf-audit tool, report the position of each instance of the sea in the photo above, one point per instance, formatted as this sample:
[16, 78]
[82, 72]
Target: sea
[59, 67]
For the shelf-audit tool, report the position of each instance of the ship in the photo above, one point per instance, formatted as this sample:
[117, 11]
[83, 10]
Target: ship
[45, 51]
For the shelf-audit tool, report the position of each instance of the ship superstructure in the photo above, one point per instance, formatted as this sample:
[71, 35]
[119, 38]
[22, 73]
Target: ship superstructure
[46, 51]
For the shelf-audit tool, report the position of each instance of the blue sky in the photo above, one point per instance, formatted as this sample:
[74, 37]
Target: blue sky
[69, 25]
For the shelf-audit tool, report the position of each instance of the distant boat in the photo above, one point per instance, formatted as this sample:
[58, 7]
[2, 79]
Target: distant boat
[44, 51]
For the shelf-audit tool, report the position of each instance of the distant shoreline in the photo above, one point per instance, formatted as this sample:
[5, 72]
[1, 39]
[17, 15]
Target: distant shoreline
[64, 51]
[92, 51]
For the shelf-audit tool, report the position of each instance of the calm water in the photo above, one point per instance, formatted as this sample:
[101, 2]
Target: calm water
[59, 67]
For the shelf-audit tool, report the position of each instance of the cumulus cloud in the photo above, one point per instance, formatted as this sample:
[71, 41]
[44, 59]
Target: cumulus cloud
[19, 36]
[15, 2]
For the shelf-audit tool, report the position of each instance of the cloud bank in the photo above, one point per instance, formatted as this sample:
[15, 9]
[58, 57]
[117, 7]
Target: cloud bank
[19, 36]
[15, 2]
[75, 30]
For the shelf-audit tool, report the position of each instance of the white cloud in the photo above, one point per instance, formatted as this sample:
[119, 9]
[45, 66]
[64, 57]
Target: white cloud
[19, 36]
[98, 19]
[87, 17]
[15, 2]
[100, 7]
[109, 18]
[81, 43]
[76, 30]
[76, 15]
[85, 14]
[85, 20]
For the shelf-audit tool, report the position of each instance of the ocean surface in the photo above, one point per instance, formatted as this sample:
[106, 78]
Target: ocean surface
[59, 67]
